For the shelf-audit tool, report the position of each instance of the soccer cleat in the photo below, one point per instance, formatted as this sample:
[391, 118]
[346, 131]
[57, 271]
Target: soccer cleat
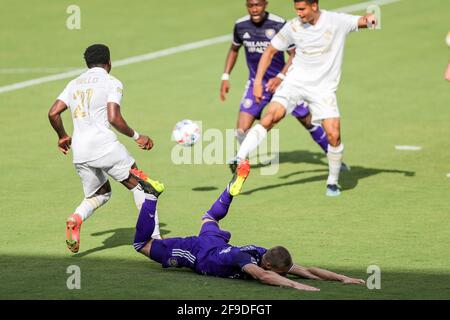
[236, 183]
[73, 226]
[150, 186]
[345, 167]
[333, 190]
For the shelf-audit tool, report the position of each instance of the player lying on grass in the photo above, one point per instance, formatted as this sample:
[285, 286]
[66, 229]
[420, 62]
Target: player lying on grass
[209, 253]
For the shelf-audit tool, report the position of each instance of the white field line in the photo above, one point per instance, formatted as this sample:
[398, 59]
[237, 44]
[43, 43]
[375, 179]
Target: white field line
[408, 148]
[33, 70]
[165, 52]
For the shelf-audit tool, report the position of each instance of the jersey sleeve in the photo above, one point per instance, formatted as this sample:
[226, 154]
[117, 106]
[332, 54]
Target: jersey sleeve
[115, 91]
[348, 22]
[64, 96]
[237, 41]
[283, 39]
[242, 259]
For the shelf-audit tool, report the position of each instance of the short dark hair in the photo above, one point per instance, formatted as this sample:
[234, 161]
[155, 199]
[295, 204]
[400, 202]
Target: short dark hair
[96, 54]
[309, 1]
[279, 257]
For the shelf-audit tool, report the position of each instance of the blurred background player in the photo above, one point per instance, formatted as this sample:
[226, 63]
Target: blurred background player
[314, 76]
[94, 100]
[254, 32]
[209, 253]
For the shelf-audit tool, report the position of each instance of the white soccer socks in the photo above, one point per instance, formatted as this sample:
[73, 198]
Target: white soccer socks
[335, 155]
[89, 205]
[254, 137]
[139, 198]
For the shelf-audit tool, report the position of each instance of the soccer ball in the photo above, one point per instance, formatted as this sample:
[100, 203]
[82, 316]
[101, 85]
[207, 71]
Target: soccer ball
[447, 39]
[186, 133]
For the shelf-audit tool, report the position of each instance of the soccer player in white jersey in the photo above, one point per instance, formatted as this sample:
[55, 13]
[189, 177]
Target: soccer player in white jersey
[94, 100]
[319, 37]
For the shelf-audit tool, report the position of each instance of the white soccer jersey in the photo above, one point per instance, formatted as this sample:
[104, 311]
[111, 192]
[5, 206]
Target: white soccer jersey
[319, 48]
[87, 96]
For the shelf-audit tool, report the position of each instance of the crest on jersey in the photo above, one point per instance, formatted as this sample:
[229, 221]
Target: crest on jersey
[246, 36]
[270, 33]
[328, 35]
[247, 103]
[173, 262]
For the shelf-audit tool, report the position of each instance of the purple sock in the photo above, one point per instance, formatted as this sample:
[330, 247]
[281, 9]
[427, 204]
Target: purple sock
[220, 208]
[145, 224]
[320, 137]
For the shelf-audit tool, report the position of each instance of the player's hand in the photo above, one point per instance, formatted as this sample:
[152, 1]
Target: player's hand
[304, 287]
[447, 73]
[273, 84]
[144, 142]
[64, 144]
[258, 92]
[224, 89]
[371, 21]
[348, 280]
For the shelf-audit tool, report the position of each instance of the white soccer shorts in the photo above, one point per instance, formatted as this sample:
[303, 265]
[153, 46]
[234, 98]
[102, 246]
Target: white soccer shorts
[322, 103]
[94, 174]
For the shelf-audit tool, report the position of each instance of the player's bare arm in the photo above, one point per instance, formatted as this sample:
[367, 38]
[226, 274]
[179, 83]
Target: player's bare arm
[367, 21]
[118, 122]
[229, 65]
[322, 274]
[274, 279]
[264, 63]
[275, 82]
[54, 115]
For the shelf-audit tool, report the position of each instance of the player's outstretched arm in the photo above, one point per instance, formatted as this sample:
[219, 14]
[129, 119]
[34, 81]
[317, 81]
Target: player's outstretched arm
[322, 274]
[119, 123]
[274, 279]
[264, 63]
[367, 21]
[54, 116]
[229, 65]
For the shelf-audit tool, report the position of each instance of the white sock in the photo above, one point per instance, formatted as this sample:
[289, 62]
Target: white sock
[139, 198]
[335, 155]
[89, 205]
[240, 136]
[251, 141]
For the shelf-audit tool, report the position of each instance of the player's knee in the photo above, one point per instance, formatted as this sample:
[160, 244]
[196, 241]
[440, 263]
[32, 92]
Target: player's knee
[334, 138]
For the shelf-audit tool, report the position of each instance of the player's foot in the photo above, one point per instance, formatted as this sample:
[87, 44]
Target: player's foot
[232, 164]
[236, 183]
[150, 186]
[345, 167]
[333, 190]
[73, 226]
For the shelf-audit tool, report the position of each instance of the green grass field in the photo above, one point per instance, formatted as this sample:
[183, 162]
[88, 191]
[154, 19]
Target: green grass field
[394, 211]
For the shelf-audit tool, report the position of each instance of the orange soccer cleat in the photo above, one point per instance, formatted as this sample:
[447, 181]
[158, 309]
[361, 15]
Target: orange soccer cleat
[73, 226]
[237, 182]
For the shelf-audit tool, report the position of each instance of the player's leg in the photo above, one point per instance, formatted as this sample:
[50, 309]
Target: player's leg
[97, 192]
[117, 164]
[244, 123]
[335, 154]
[220, 207]
[301, 112]
[318, 134]
[146, 221]
[276, 111]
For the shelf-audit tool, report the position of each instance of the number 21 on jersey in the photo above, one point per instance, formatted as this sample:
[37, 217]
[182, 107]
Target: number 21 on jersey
[83, 97]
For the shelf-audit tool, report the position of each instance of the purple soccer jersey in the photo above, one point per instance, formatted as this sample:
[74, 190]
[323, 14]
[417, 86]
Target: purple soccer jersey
[256, 38]
[209, 253]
